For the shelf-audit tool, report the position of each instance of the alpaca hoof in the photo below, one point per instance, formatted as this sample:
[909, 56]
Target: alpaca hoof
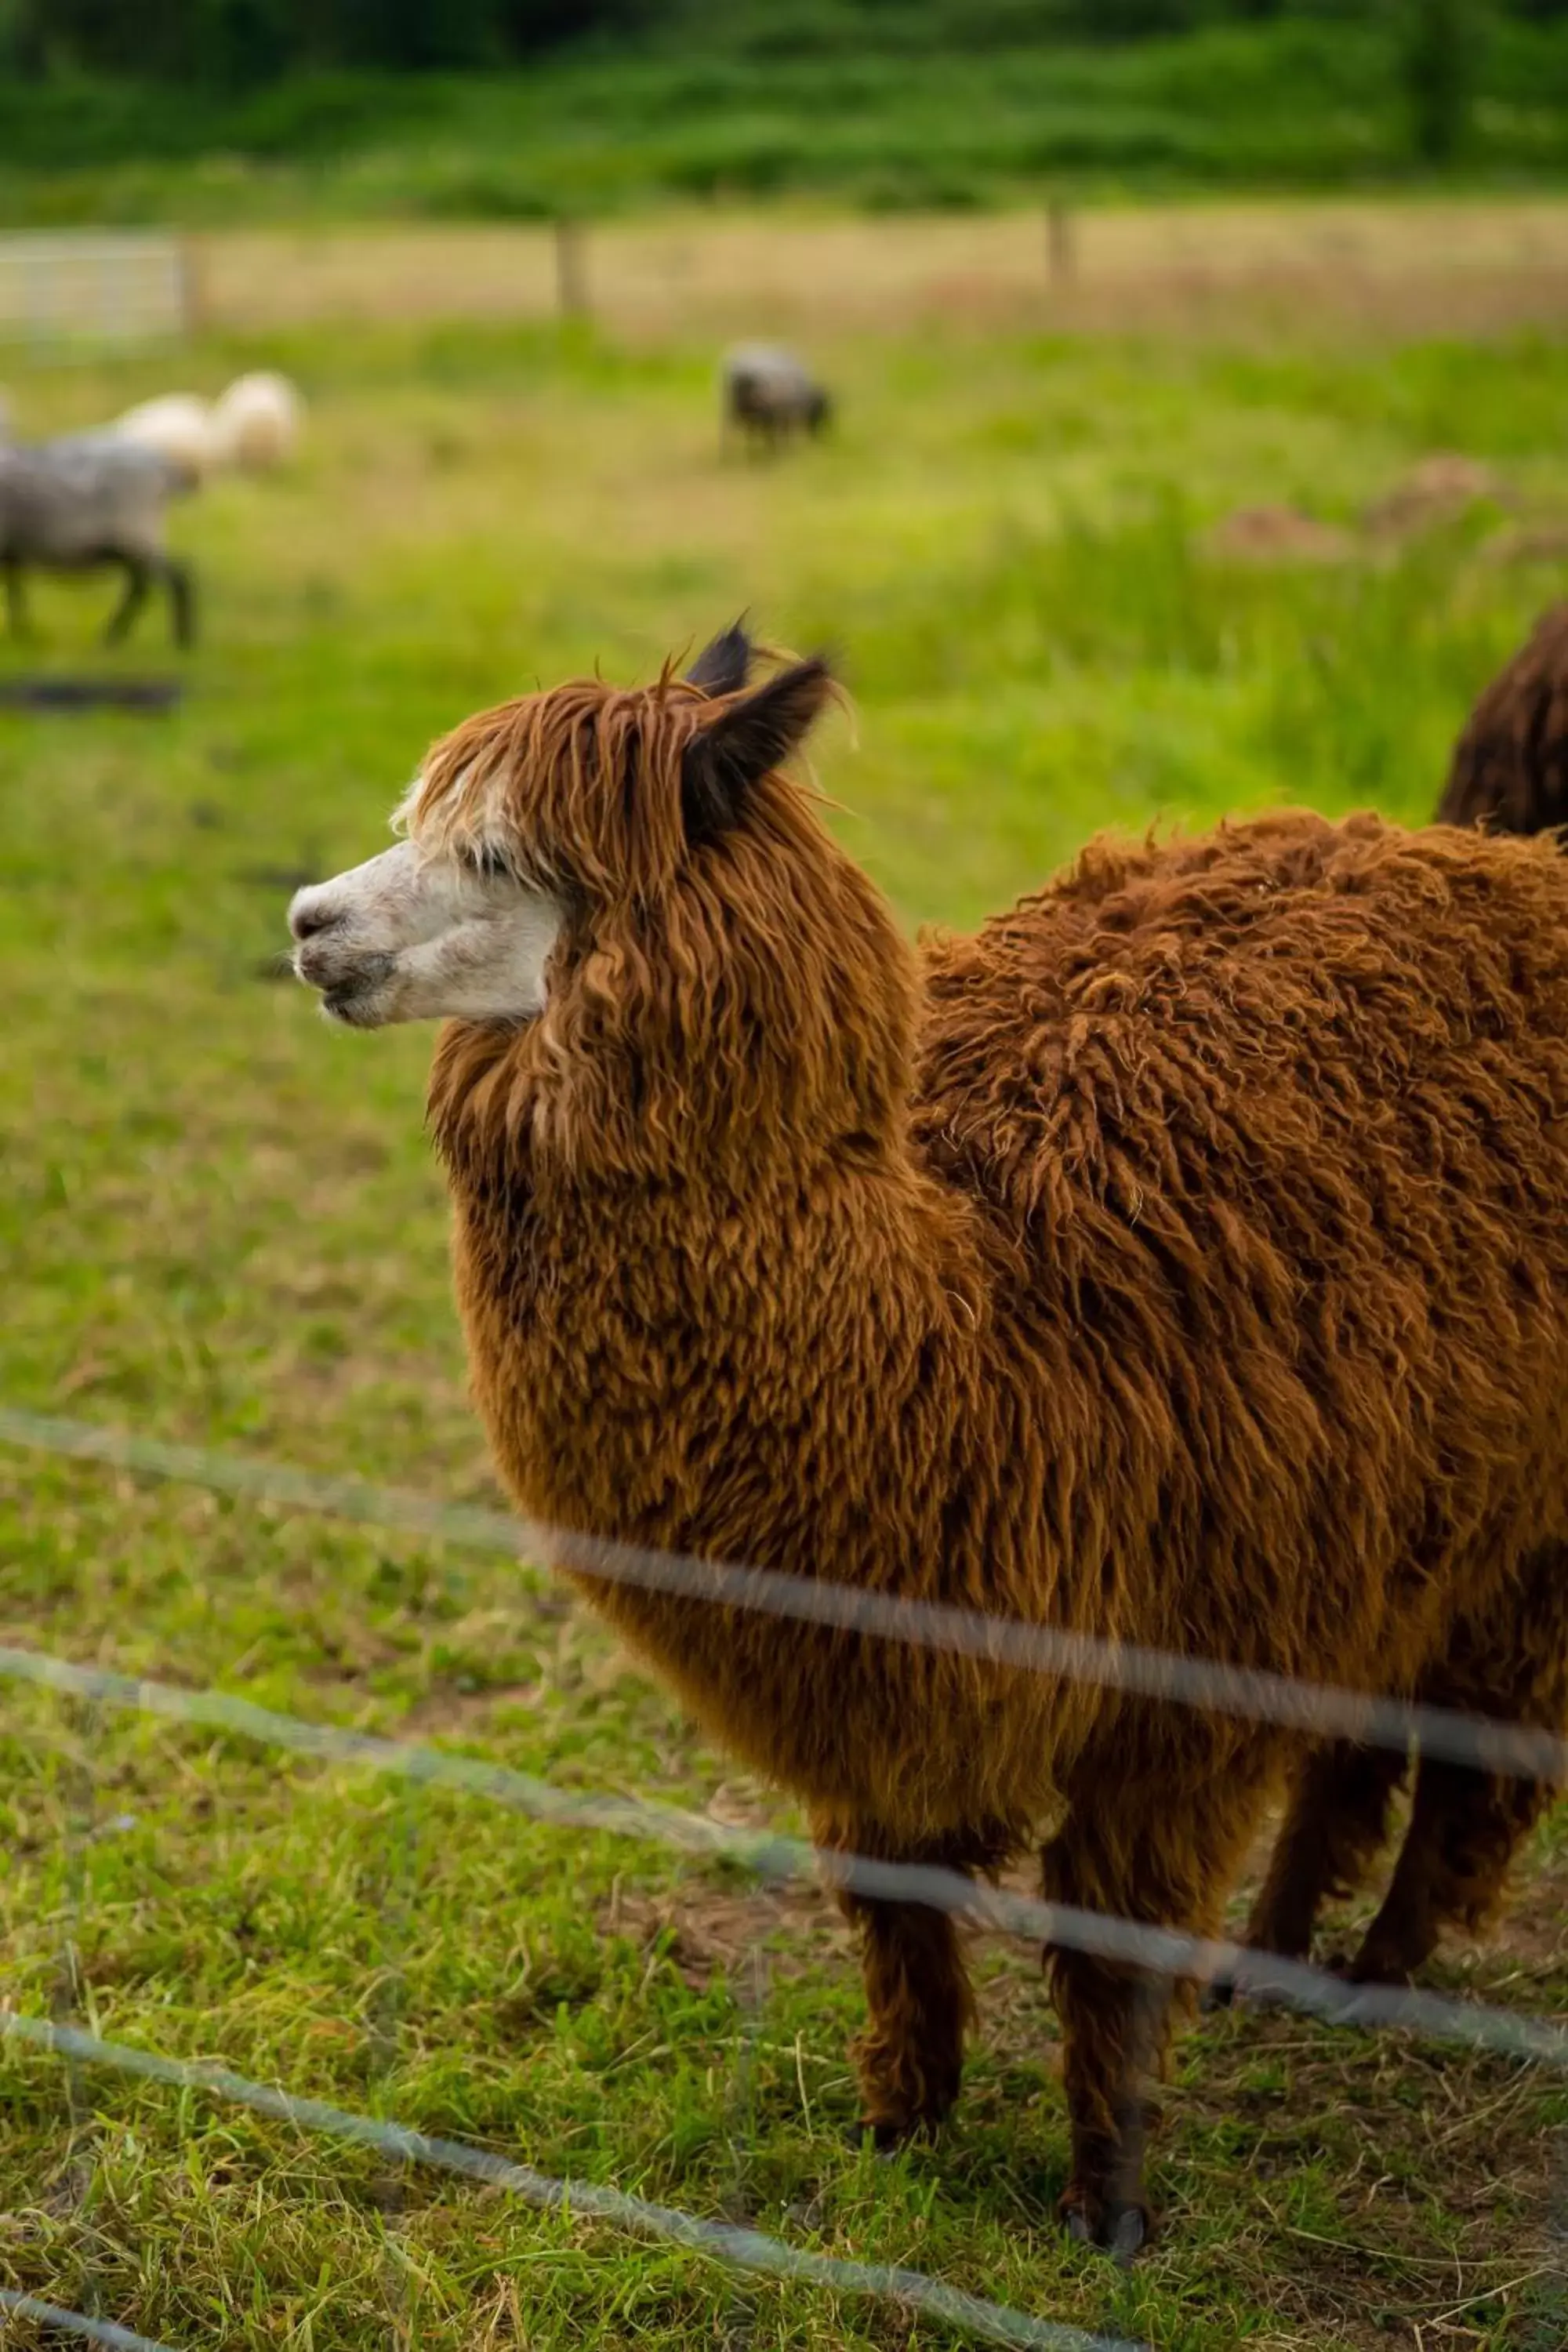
[1119, 2229]
[1370, 1967]
[1124, 2233]
[1259, 1998]
[887, 2137]
[1245, 1984]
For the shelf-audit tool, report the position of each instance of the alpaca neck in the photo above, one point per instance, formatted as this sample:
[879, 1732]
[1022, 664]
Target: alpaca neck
[651, 1358]
[824, 1375]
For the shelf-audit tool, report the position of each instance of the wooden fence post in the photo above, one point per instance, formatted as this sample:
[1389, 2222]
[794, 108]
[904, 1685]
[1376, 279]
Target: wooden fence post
[192, 292]
[1059, 241]
[571, 274]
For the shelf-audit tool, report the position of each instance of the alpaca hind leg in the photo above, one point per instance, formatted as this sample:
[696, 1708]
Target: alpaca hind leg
[1464, 1828]
[1335, 1825]
[1160, 1850]
[1466, 1824]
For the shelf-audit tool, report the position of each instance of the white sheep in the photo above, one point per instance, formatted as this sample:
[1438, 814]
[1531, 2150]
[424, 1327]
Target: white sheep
[255, 424]
[250, 428]
[178, 425]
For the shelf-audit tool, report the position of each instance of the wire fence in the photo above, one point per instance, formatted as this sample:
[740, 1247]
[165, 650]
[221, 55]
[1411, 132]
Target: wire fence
[61, 288]
[745, 2250]
[76, 2323]
[1315, 1708]
[1160, 1952]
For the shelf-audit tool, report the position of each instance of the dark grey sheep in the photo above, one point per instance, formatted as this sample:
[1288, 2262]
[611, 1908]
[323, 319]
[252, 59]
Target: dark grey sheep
[769, 394]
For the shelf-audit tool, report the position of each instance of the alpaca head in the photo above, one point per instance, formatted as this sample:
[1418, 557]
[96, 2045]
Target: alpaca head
[526, 811]
[618, 889]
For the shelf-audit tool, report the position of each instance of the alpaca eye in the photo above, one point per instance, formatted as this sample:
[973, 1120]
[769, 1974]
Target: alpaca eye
[490, 862]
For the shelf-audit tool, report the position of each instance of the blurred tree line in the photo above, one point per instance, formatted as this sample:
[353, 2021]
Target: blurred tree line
[240, 41]
[247, 42]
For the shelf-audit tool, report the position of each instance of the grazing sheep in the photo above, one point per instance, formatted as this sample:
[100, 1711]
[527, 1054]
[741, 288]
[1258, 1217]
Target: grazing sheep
[255, 423]
[1182, 1260]
[78, 504]
[251, 428]
[769, 394]
[1509, 772]
[178, 425]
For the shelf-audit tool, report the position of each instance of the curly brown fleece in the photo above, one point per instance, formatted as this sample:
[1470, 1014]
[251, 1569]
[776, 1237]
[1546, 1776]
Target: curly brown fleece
[1183, 1259]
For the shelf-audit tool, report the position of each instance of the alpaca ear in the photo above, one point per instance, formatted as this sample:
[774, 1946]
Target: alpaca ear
[722, 666]
[742, 742]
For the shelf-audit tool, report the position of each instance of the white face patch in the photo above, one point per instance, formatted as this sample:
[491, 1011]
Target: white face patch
[414, 937]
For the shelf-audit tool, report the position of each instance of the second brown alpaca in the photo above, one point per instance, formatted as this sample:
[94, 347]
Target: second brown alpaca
[1509, 769]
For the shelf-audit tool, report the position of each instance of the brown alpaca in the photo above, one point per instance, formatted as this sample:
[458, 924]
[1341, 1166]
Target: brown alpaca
[1183, 1259]
[1509, 772]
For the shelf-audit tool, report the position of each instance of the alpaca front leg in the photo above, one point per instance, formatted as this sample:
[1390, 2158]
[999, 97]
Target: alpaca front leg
[1115, 2025]
[911, 2057]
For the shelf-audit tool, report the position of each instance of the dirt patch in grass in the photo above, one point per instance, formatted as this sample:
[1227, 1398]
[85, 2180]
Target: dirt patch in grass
[466, 1714]
[1437, 489]
[706, 1932]
[1539, 543]
[1277, 534]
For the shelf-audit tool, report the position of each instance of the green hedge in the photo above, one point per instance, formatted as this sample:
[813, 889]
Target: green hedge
[1300, 101]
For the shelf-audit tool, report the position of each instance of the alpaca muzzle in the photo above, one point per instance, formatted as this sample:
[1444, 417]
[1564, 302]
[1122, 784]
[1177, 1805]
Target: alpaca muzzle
[412, 937]
[328, 958]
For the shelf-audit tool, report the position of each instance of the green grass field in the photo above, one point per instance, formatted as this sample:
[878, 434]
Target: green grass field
[221, 1224]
